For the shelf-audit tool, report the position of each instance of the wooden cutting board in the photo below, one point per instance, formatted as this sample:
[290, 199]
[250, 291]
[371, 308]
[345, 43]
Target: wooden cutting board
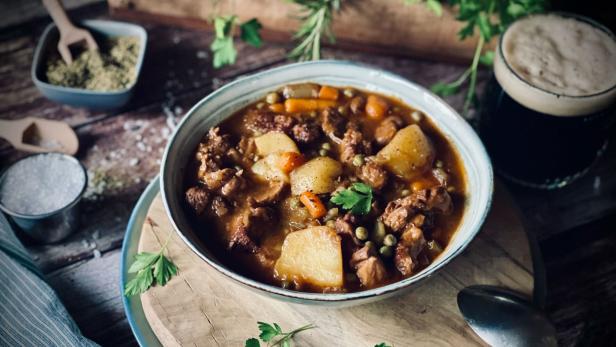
[201, 307]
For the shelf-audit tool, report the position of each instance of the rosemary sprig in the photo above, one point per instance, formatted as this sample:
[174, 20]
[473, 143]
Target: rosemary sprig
[316, 24]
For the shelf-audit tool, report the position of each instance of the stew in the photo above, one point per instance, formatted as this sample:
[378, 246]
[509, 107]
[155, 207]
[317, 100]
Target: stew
[325, 189]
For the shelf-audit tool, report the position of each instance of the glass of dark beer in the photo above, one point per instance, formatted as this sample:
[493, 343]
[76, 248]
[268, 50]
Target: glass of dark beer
[546, 113]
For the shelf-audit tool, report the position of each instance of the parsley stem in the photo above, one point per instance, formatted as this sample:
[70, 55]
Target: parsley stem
[473, 69]
[289, 335]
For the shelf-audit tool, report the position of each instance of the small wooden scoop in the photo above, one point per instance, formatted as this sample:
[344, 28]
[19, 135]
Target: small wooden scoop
[39, 135]
[69, 33]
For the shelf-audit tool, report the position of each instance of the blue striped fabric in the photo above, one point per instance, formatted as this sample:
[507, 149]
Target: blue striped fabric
[31, 314]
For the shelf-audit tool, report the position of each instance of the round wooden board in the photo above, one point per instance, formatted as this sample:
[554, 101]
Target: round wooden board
[201, 307]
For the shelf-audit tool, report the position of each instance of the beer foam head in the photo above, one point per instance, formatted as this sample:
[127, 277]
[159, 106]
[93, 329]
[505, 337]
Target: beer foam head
[558, 65]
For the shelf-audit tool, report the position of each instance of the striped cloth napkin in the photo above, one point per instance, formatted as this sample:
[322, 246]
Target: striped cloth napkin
[30, 312]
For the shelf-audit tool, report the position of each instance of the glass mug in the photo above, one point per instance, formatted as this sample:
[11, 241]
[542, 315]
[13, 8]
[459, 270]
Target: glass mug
[541, 138]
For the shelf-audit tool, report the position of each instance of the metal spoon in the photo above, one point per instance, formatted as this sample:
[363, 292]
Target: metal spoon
[504, 318]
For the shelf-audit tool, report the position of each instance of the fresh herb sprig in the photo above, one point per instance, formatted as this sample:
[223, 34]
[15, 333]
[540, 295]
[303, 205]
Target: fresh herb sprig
[273, 335]
[223, 46]
[382, 344]
[357, 198]
[491, 18]
[150, 267]
[316, 24]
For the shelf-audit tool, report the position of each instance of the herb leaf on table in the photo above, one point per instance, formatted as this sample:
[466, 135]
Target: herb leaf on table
[223, 46]
[150, 267]
[274, 336]
[491, 18]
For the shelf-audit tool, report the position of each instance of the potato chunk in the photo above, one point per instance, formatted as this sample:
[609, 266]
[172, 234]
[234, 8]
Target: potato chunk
[408, 154]
[317, 175]
[269, 169]
[312, 256]
[274, 142]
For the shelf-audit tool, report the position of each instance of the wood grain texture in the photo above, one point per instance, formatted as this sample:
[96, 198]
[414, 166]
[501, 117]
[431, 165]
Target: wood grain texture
[200, 307]
[370, 25]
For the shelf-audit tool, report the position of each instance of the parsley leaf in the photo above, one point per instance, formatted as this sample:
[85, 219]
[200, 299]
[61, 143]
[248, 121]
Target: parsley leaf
[357, 199]
[252, 342]
[274, 336]
[223, 47]
[249, 32]
[150, 267]
[382, 344]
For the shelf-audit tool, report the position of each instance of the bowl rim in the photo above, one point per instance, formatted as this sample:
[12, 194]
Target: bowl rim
[331, 297]
[94, 24]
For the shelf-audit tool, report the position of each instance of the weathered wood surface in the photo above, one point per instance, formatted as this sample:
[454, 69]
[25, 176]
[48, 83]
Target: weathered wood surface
[411, 30]
[579, 264]
[203, 308]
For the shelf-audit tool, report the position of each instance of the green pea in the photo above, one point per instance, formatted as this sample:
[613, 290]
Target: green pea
[323, 152]
[272, 98]
[332, 213]
[378, 234]
[386, 251]
[326, 146]
[369, 244]
[439, 164]
[361, 233]
[390, 240]
[358, 160]
[312, 114]
[342, 110]
[405, 192]
[260, 105]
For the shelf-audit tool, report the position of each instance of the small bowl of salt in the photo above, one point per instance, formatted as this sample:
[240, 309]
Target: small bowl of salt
[41, 194]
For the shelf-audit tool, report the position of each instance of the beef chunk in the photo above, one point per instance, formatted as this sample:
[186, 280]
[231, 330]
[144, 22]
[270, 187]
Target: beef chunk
[357, 104]
[400, 212]
[352, 144]
[216, 143]
[373, 174]
[441, 176]
[369, 268]
[216, 179]
[246, 227]
[262, 121]
[332, 124]
[439, 200]
[232, 187]
[305, 133]
[219, 206]
[271, 194]
[198, 198]
[387, 129]
[411, 243]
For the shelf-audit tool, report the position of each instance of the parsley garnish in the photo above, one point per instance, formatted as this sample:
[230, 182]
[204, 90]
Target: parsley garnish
[223, 46]
[150, 267]
[357, 199]
[382, 344]
[491, 17]
[316, 23]
[274, 336]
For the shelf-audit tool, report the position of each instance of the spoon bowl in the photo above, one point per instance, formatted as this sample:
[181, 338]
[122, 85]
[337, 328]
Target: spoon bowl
[503, 317]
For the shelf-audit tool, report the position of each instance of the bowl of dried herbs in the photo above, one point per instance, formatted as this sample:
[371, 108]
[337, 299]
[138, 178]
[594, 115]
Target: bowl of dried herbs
[102, 79]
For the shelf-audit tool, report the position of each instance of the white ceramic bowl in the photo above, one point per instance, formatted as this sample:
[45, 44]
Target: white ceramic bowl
[222, 103]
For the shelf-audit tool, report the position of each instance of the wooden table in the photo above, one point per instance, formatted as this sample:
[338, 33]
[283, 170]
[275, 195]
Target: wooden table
[575, 227]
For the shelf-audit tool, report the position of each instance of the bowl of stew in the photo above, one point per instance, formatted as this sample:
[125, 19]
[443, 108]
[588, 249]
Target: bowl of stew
[326, 182]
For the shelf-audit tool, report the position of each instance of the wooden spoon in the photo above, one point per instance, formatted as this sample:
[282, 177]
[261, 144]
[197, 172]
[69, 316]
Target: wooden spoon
[39, 135]
[69, 33]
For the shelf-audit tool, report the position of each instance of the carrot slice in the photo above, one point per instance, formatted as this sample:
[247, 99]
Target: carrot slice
[307, 105]
[290, 160]
[376, 107]
[278, 108]
[313, 204]
[328, 93]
